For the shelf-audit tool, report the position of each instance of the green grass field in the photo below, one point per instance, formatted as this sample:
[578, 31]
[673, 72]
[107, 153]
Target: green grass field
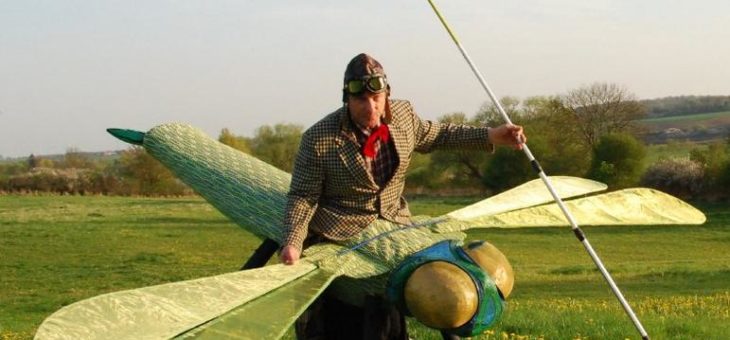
[55, 250]
[671, 150]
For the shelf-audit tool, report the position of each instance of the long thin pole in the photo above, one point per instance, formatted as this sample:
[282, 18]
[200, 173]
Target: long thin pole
[536, 166]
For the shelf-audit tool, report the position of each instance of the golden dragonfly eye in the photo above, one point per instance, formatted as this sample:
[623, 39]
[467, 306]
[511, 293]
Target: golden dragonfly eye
[494, 263]
[441, 295]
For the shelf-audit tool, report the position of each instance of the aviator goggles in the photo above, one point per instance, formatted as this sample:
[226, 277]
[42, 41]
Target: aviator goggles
[374, 83]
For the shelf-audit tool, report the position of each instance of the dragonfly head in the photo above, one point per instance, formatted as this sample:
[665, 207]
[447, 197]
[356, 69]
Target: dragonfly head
[457, 289]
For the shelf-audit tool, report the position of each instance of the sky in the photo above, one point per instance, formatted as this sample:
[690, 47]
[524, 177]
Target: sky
[71, 69]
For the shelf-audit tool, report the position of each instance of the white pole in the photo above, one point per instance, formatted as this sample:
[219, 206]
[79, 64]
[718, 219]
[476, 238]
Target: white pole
[536, 166]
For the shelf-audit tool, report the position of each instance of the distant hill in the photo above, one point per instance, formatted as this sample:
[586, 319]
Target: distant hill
[92, 156]
[685, 105]
[686, 118]
[699, 127]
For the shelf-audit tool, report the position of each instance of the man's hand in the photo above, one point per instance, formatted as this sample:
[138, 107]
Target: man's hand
[289, 255]
[508, 134]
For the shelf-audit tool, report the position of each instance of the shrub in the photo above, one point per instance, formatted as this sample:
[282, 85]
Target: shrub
[60, 181]
[715, 161]
[680, 177]
[618, 160]
[507, 168]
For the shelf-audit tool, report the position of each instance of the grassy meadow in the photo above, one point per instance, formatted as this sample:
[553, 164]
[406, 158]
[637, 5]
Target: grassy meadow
[673, 149]
[55, 250]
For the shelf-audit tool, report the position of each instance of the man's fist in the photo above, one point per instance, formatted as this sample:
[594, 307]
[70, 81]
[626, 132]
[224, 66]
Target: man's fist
[507, 135]
[289, 255]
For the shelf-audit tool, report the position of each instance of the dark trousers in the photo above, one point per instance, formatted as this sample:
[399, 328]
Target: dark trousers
[331, 319]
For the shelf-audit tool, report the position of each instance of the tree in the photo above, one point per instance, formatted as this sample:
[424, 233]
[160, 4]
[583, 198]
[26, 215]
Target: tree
[551, 138]
[554, 144]
[32, 161]
[505, 169]
[74, 158]
[489, 115]
[236, 142]
[618, 160]
[546, 120]
[457, 167]
[603, 108]
[142, 174]
[277, 145]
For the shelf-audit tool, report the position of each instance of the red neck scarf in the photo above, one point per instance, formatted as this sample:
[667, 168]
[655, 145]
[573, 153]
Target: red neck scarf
[380, 133]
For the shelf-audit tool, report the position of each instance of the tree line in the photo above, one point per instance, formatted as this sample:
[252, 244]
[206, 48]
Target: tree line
[681, 105]
[133, 172]
[591, 132]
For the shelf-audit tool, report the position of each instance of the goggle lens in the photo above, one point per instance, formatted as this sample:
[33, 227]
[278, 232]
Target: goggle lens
[376, 84]
[355, 86]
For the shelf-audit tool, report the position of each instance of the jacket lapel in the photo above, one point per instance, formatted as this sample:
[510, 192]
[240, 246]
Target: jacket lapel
[402, 147]
[349, 152]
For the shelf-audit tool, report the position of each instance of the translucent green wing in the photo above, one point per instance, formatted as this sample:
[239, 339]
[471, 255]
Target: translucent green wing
[173, 309]
[253, 304]
[269, 316]
[526, 195]
[249, 191]
[530, 194]
[637, 206]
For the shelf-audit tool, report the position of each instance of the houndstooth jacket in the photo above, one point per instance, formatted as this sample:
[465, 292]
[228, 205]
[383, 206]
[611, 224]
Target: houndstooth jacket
[332, 191]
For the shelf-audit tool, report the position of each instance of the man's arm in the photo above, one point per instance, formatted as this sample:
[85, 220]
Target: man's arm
[304, 193]
[432, 135]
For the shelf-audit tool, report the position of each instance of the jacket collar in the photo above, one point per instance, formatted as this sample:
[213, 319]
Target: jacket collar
[349, 148]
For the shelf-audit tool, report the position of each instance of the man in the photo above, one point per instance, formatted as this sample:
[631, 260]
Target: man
[351, 165]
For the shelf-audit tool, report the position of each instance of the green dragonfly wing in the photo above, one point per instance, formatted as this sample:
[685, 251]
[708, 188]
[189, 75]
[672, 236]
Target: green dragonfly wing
[529, 194]
[269, 316]
[636, 206]
[526, 195]
[168, 310]
[250, 192]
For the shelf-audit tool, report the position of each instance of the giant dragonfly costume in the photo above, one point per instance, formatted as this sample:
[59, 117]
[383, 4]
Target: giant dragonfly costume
[263, 303]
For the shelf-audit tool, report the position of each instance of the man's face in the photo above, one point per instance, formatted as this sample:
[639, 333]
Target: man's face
[367, 108]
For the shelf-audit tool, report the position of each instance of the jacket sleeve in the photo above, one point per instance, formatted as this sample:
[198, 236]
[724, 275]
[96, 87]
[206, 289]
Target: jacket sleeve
[304, 193]
[431, 135]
